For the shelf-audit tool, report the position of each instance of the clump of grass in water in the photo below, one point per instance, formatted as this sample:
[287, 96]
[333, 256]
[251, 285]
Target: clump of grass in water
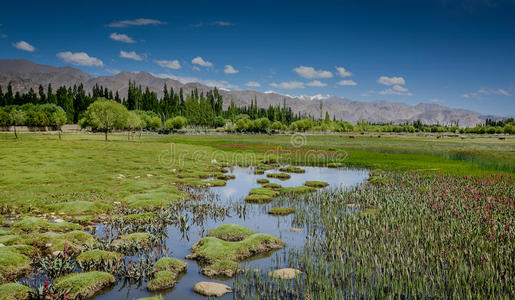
[281, 211]
[281, 176]
[292, 169]
[393, 247]
[316, 184]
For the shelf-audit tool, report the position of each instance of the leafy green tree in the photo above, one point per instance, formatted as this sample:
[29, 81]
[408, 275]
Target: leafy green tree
[219, 122]
[17, 118]
[277, 126]
[133, 122]
[155, 123]
[175, 123]
[106, 115]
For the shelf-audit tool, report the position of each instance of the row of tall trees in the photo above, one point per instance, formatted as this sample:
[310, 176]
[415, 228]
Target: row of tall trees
[200, 108]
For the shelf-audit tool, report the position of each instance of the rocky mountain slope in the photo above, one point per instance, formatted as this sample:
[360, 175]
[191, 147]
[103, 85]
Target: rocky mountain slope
[24, 74]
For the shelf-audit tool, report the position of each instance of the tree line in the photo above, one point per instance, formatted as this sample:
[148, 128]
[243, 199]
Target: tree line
[196, 109]
[200, 108]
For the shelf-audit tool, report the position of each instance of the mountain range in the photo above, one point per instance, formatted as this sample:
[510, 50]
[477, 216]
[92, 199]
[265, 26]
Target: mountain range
[24, 74]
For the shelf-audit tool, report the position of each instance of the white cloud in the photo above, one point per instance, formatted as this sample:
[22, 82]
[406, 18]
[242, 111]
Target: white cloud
[170, 64]
[487, 92]
[503, 92]
[113, 71]
[195, 68]
[230, 70]
[316, 83]
[135, 22]
[396, 90]
[289, 85]
[178, 78]
[216, 23]
[253, 84]
[347, 82]
[130, 55]
[22, 45]
[121, 38]
[310, 72]
[201, 62]
[399, 88]
[342, 72]
[220, 84]
[80, 59]
[391, 80]
[222, 23]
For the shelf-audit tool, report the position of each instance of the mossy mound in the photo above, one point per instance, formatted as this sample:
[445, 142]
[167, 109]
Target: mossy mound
[210, 249]
[216, 182]
[33, 224]
[97, 256]
[84, 220]
[73, 240]
[84, 285]
[13, 264]
[167, 269]
[292, 169]
[225, 177]
[152, 199]
[266, 167]
[10, 239]
[138, 237]
[139, 217]
[22, 249]
[316, 184]
[273, 186]
[258, 199]
[264, 191]
[230, 232]
[281, 176]
[14, 291]
[259, 172]
[170, 264]
[281, 211]
[263, 181]
[81, 207]
[162, 280]
[297, 190]
[226, 268]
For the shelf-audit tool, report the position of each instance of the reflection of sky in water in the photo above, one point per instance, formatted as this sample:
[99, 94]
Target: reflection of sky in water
[256, 219]
[246, 180]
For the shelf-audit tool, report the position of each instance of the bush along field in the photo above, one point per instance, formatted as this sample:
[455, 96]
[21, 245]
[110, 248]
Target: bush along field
[81, 214]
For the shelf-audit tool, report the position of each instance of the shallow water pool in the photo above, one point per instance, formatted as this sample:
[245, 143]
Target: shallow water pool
[256, 218]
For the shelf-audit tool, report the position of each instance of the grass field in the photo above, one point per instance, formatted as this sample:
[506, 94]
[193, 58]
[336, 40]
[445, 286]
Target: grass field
[40, 170]
[415, 180]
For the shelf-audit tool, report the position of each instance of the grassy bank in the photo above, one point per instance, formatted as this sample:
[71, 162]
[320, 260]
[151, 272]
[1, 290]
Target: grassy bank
[40, 170]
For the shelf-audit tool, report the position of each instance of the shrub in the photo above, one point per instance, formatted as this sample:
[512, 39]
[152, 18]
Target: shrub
[175, 123]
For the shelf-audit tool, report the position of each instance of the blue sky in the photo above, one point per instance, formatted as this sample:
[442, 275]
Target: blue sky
[458, 53]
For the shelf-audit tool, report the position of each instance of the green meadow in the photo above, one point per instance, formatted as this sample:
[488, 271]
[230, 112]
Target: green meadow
[423, 192]
[41, 172]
